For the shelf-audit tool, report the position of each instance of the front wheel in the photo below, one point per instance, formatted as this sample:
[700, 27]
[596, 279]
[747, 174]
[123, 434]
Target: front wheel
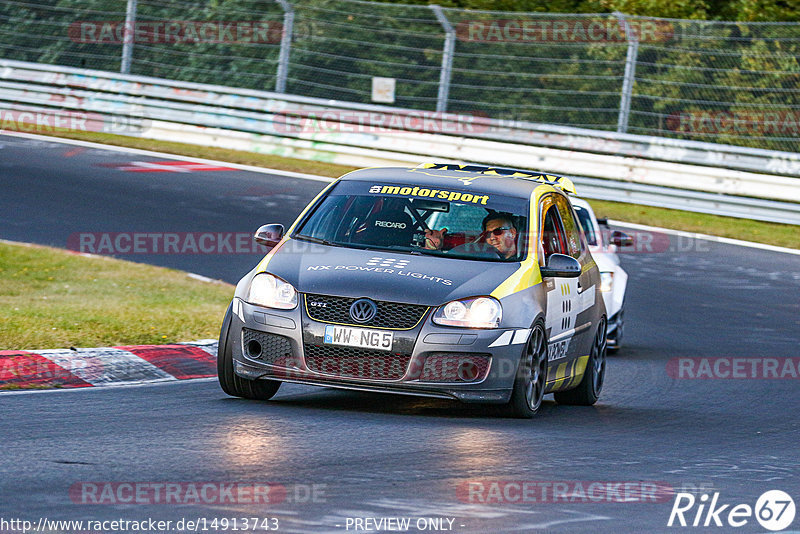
[526, 398]
[589, 389]
[229, 381]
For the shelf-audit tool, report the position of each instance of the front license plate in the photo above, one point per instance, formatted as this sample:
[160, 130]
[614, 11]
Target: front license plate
[358, 337]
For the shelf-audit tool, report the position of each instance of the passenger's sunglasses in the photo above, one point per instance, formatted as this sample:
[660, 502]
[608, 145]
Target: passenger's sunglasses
[497, 231]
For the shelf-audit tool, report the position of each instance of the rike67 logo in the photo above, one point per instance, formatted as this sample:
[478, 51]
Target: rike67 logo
[774, 510]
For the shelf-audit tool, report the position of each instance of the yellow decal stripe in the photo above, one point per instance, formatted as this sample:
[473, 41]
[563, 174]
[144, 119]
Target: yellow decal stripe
[528, 274]
[262, 266]
[557, 384]
[565, 184]
[580, 364]
[579, 368]
[568, 374]
[561, 372]
[525, 277]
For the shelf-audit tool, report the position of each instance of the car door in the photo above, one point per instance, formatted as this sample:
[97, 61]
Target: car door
[562, 294]
[581, 312]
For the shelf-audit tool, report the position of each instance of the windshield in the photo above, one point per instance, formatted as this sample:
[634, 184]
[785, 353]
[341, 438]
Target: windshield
[586, 223]
[456, 223]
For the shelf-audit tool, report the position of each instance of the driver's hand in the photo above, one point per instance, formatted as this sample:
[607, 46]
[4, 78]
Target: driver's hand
[434, 238]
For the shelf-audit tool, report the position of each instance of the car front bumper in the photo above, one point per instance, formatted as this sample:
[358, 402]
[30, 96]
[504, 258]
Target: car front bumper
[470, 365]
[614, 330]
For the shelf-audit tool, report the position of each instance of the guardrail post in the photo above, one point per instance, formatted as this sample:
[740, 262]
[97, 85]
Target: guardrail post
[128, 37]
[447, 58]
[630, 74]
[286, 46]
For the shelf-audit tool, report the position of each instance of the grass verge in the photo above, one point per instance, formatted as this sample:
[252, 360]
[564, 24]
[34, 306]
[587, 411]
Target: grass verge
[784, 235]
[50, 298]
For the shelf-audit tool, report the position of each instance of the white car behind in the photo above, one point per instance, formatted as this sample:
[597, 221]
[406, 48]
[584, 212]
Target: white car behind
[603, 245]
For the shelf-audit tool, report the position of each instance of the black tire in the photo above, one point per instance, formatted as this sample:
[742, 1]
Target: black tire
[531, 379]
[588, 390]
[229, 381]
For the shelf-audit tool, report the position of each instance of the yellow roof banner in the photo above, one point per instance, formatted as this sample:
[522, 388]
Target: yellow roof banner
[561, 182]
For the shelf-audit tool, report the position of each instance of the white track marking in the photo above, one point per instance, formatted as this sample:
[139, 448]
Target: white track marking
[143, 383]
[112, 367]
[104, 366]
[113, 148]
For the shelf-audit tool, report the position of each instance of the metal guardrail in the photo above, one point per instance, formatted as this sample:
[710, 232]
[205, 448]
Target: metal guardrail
[647, 170]
[681, 199]
[711, 80]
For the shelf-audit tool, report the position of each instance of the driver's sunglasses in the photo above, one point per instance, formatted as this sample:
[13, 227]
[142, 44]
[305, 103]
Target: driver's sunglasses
[497, 231]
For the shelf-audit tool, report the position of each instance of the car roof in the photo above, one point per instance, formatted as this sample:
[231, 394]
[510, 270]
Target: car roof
[577, 201]
[493, 180]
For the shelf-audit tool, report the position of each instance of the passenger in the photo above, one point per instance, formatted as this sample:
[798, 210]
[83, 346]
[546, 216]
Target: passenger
[434, 239]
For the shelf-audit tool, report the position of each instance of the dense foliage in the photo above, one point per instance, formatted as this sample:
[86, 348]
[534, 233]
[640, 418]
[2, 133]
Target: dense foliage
[696, 77]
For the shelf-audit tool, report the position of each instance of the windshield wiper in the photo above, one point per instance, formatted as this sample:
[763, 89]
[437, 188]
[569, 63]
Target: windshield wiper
[402, 248]
[316, 240]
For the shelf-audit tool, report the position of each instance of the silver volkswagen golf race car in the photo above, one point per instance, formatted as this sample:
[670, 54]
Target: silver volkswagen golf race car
[452, 281]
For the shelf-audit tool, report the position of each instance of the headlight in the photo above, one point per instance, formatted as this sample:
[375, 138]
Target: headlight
[606, 281]
[272, 292]
[481, 312]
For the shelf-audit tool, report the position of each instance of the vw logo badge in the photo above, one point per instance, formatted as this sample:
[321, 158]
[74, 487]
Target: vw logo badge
[363, 311]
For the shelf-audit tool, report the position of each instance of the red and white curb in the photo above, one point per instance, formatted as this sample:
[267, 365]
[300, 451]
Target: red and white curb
[108, 366]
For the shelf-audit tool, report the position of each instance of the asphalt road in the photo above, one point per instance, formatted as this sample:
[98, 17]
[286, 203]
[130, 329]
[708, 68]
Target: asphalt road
[341, 455]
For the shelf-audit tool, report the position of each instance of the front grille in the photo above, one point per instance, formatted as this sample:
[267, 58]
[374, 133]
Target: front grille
[390, 314]
[454, 367]
[356, 363]
[274, 350]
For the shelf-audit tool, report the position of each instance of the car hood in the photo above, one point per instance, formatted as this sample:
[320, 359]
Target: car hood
[606, 261]
[383, 275]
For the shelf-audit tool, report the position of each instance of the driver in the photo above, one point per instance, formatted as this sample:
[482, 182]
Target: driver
[500, 232]
[499, 235]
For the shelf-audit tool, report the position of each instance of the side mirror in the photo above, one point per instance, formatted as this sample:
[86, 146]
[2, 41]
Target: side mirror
[562, 266]
[269, 235]
[621, 239]
[602, 221]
